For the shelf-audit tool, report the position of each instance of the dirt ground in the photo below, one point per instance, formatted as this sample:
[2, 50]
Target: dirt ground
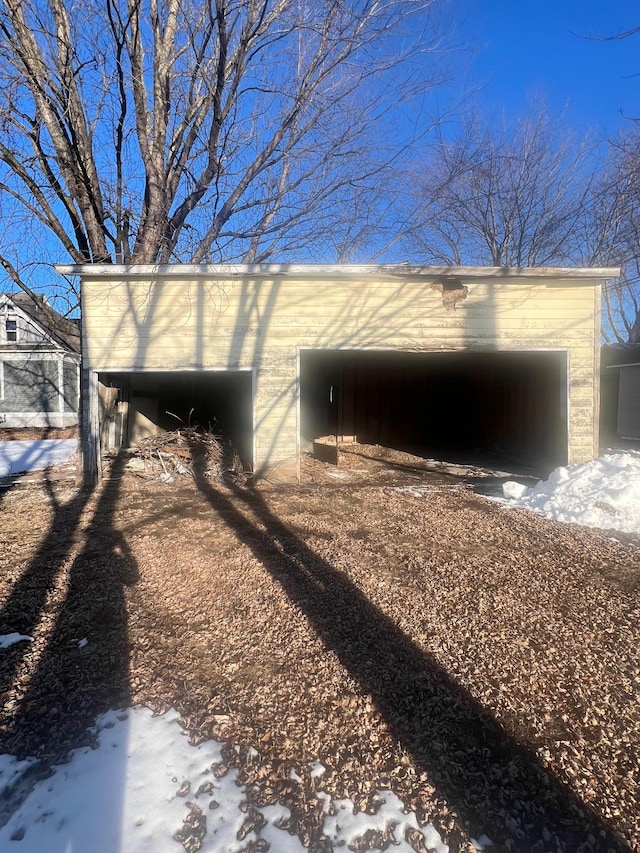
[382, 617]
[37, 433]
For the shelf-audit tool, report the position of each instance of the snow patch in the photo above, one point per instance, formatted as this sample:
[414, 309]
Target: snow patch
[18, 457]
[604, 493]
[514, 490]
[136, 789]
[391, 822]
[7, 640]
[11, 769]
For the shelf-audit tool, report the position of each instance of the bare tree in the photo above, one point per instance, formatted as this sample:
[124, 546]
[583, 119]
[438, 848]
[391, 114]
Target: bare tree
[139, 131]
[616, 223]
[505, 195]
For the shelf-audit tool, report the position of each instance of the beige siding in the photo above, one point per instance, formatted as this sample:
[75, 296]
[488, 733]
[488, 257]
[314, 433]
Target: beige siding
[168, 323]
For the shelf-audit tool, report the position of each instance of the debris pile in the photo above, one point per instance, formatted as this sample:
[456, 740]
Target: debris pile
[187, 452]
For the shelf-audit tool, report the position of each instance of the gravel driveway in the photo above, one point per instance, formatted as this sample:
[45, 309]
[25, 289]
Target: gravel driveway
[406, 631]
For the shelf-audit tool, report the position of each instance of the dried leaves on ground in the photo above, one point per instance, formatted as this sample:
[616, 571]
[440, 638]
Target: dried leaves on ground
[37, 433]
[408, 633]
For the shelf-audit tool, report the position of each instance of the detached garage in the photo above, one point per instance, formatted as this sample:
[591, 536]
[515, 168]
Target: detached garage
[501, 363]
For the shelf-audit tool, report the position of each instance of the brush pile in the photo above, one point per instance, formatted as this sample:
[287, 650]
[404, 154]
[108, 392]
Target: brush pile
[188, 452]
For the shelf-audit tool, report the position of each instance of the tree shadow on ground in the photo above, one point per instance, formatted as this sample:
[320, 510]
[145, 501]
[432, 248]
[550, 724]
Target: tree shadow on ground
[25, 604]
[496, 784]
[84, 668]
[6, 485]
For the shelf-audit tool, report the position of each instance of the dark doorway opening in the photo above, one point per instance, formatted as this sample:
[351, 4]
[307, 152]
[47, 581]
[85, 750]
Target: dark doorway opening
[134, 405]
[498, 407]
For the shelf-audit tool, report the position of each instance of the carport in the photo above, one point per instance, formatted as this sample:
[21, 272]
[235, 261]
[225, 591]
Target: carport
[500, 407]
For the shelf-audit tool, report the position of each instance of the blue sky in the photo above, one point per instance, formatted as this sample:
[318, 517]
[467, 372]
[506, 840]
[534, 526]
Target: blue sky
[541, 46]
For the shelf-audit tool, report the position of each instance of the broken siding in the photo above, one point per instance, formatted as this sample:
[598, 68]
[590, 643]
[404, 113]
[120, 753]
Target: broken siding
[193, 323]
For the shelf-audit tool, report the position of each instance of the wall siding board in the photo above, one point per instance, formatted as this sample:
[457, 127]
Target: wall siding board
[195, 323]
[172, 353]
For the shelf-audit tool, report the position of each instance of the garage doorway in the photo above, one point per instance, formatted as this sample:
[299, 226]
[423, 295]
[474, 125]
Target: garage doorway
[134, 405]
[500, 408]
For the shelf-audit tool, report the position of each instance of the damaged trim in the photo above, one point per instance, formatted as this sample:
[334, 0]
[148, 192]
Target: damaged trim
[452, 290]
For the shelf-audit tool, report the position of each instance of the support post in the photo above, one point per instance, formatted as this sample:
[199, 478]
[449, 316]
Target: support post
[91, 461]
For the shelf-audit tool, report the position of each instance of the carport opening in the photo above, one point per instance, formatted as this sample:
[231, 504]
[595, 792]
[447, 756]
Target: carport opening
[499, 408]
[136, 405]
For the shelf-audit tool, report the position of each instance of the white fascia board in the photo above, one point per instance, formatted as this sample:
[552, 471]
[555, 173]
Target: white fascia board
[329, 270]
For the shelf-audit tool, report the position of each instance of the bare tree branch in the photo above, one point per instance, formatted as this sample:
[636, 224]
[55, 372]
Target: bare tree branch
[187, 130]
[513, 196]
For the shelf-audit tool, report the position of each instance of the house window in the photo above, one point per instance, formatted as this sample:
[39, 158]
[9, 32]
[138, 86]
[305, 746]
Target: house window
[11, 328]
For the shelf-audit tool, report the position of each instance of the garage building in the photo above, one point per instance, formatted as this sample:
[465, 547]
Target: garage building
[448, 361]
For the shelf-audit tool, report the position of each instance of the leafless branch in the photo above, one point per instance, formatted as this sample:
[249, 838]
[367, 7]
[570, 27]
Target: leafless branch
[139, 131]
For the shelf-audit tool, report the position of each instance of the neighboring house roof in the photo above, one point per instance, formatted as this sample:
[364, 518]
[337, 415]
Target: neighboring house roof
[64, 331]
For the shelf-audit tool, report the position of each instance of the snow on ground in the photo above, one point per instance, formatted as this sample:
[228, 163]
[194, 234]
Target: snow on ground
[135, 790]
[16, 457]
[7, 640]
[604, 493]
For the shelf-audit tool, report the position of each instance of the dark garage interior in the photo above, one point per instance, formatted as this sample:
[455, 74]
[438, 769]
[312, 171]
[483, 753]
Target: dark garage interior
[137, 404]
[500, 408]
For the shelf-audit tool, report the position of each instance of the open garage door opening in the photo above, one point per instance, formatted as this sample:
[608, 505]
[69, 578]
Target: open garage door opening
[136, 405]
[496, 408]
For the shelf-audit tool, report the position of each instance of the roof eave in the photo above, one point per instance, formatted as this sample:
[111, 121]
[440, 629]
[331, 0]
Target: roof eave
[329, 270]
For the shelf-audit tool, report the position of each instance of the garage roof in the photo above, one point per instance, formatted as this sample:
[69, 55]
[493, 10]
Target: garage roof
[333, 270]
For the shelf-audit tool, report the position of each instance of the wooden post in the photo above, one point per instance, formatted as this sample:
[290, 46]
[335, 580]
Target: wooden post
[91, 462]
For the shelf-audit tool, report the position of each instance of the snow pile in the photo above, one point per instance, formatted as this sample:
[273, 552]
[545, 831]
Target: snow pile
[144, 783]
[16, 457]
[604, 493]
